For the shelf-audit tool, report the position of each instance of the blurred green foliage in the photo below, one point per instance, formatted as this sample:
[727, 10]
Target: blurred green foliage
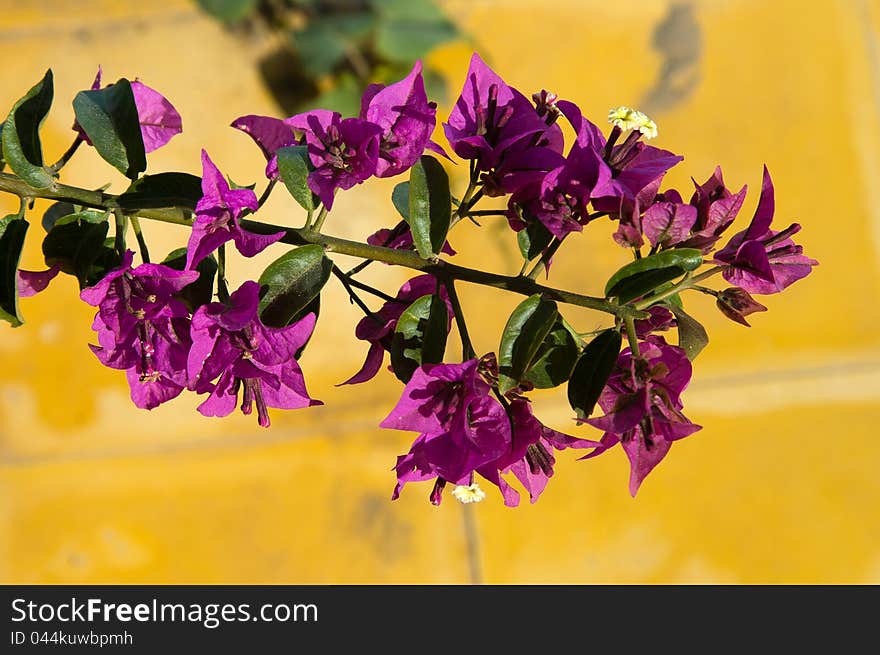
[332, 49]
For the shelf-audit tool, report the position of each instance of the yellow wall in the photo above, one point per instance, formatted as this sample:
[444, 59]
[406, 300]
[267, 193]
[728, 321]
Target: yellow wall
[781, 484]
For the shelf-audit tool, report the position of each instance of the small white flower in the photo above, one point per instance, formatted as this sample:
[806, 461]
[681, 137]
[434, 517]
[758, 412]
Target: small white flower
[645, 125]
[631, 119]
[468, 493]
[621, 117]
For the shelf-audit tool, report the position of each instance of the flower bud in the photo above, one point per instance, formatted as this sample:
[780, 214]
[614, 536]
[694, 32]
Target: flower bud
[736, 304]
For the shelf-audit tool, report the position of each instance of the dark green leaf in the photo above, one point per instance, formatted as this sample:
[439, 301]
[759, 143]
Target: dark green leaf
[420, 336]
[162, 190]
[592, 371]
[291, 282]
[643, 275]
[229, 11]
[294, 167]
[692, 336]
[555, 358]
[526, 329]
[12, 231]
[400, 199]
[2, 159]
[430, 206]
[56, 211]
[109, 117]
[22, 149]
[76, 243]
[200, 292]
[533, 239]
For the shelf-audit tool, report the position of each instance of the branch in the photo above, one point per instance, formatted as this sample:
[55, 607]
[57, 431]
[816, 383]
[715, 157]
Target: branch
[302, 236]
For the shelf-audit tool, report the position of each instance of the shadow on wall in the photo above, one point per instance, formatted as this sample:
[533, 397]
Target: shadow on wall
[678, 41]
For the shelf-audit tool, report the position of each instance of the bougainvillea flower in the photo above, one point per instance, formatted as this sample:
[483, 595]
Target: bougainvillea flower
[633, 164]
[462, 425]
[378, 329]
[668, 223]
[143, 327]
[158, 118]
[629, 226]
[270, 134]
[635, 171]
[530, 458]
[566, 191]
[717, 207]
[232, 346]
[587, 133]
[491, 118]
[520, 173]
[407, 120]
[217, 215]
[736, 304]
[659, 319]
[642, 404]
[761, 260]
[30, 283]
[345, 152]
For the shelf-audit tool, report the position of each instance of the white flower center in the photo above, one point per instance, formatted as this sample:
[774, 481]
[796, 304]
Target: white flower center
[631, 119]
[468, 493]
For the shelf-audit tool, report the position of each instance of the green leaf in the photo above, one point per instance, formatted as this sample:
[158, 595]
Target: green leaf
[22, 149]
[420, 336]
[162, 190]
[2, 158]
[526, 329]
[325, 41]
[643, 275]
[235, 185]
[403, 40]
[692, 336]
[229, 11]
[291, 282]
[592, 371]
[109, 117]
[555, 358]
[12, 231]
[533, 239]
[408, 29]
[200, 292]
[294, 167]
[76, 243]
[400, 199]
[430, 206]
[57, 211]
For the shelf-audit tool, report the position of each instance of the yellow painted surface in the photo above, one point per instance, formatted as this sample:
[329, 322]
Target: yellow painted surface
[780, 486]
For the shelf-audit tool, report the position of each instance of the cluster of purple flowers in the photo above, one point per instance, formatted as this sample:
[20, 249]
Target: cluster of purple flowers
[518, 149]
[390, 134]
[466, 427]
[223, 349]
